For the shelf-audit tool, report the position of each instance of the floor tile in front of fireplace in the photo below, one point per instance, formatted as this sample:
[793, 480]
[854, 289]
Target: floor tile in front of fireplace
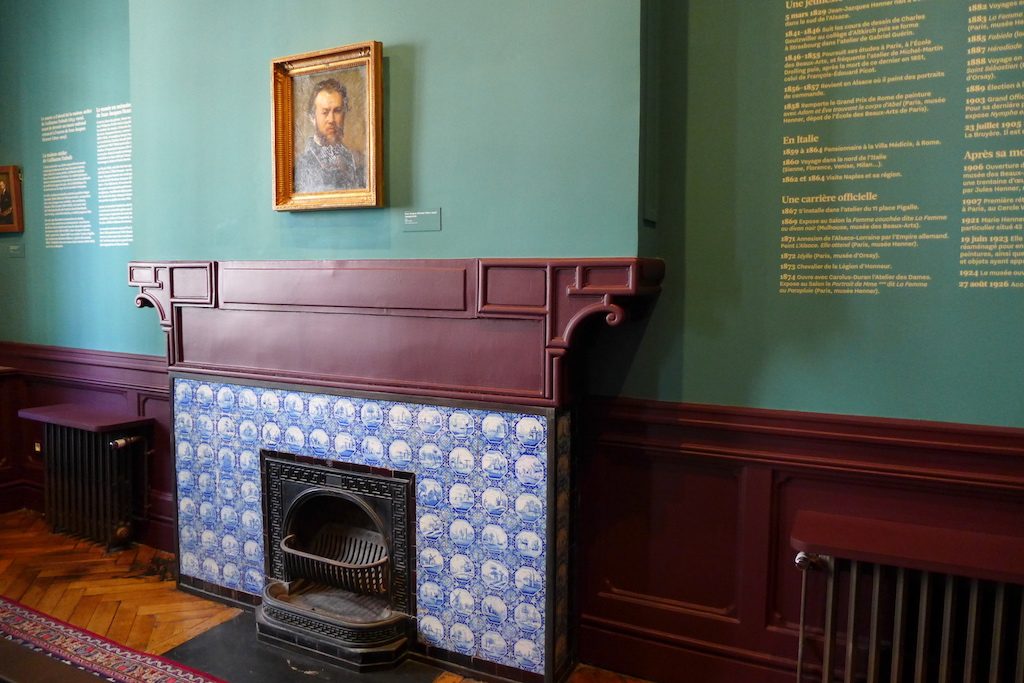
[232, 652]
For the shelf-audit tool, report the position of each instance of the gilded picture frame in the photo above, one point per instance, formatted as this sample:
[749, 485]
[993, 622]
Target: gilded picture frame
[327, 121]
[11, 216]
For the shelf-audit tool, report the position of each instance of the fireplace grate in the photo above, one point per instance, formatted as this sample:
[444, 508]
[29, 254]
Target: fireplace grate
[340, 555]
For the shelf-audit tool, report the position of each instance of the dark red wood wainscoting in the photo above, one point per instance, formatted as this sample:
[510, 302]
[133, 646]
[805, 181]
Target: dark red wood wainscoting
[46, 375]
[685, 568]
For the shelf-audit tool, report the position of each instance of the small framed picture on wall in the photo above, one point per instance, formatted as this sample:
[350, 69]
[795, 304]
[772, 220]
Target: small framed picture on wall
[10, 200]
[327, 129]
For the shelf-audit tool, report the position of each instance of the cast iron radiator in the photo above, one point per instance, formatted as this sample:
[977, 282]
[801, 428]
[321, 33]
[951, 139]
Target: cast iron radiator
[871, 617]
[93, 461]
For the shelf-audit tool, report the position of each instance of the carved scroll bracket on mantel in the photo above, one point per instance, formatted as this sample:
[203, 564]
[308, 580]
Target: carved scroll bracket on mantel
[164, 285]
[476, 329]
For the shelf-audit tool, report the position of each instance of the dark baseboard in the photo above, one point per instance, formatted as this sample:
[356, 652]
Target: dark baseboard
[212, 591]
[657, 661]
[159, 533]
[18, 494]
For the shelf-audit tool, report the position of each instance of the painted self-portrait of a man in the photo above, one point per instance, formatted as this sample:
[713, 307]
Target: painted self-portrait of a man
[330, 131]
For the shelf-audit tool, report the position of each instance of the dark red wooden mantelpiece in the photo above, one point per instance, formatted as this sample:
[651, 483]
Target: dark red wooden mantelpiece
[479, 329]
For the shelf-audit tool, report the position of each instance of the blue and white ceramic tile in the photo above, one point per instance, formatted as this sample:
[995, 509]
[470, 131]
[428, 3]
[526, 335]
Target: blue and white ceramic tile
[481, 519]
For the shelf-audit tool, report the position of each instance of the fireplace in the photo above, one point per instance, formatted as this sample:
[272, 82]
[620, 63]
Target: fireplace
[446, 378]
[337, 560]
[471, 504]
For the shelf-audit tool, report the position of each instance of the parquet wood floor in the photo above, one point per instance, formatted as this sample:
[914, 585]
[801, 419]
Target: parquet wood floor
[582, 674]
[119, 595]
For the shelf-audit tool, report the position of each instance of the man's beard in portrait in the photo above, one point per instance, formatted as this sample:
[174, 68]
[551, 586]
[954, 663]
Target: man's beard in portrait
[335, 133]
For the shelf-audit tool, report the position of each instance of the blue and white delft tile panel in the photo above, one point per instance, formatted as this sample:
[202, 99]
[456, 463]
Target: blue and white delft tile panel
[481, 487]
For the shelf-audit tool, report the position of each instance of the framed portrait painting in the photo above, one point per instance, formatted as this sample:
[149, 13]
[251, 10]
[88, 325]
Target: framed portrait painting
[10, 200]
[327, 129]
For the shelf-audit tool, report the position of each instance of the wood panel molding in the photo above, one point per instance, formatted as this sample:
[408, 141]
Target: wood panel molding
[98, 368]
[953, 480]
[8, 467]
[48, 375]
[479, 329]
[944, 453]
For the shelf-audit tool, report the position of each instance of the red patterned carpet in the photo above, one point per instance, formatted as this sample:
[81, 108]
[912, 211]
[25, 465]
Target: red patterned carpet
[88, 651]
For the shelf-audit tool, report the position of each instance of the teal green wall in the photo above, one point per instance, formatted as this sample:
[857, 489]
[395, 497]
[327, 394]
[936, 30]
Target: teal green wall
[60, 56]
[519, 119]
[721, 333]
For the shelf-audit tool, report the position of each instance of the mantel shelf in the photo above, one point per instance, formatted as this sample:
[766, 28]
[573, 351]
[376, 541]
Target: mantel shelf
[477, 329]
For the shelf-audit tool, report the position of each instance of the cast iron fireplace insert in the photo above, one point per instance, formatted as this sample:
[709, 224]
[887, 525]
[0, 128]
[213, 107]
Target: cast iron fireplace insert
[338, 573]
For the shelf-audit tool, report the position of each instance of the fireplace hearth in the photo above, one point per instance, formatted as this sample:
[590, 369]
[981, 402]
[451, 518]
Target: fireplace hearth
[337, 571]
